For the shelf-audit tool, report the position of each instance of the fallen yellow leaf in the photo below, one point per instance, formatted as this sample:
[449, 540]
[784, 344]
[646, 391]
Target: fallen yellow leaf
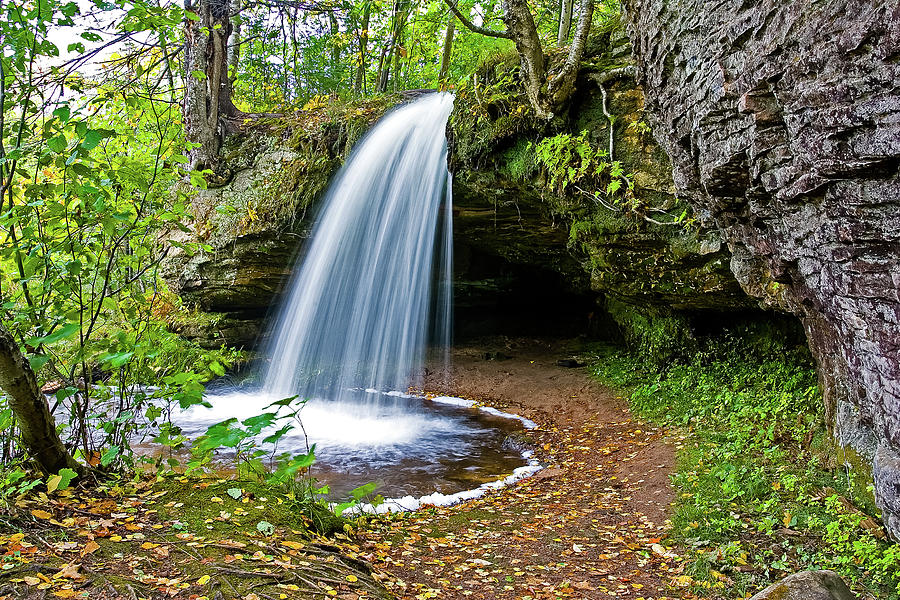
[41, 514]
[292, 545]
[90, 547]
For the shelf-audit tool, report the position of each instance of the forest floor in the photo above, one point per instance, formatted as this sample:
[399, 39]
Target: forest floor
[592, 524]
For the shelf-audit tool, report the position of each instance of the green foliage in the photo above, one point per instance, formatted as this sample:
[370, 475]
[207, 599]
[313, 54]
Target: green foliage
[16, 482]
[254, 453]
[571, 160]
[659, 337]
[519, 161]
[91, 188]
[755, 496]
[357, 496]
[491, 110]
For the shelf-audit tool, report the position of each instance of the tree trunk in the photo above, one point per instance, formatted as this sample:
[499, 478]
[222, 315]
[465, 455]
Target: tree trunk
[234, 47]
[546, 92]
[565, 21]
[207, 97]
[33, 417]
[520, 25]
[401, 14]
[561, 86]
[384, 66]
[363, 37]
[448, 52]
[397, 65]
[335, 51]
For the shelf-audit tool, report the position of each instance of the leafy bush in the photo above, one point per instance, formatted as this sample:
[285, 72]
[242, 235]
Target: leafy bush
[755, 496]
[569, 160]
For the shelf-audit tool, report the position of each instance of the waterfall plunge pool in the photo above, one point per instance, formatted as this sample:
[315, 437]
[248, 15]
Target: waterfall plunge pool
[417, 450]
[370, 294]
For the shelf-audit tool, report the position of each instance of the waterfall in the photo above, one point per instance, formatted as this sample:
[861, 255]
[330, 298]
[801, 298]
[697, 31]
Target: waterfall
[372, 289]
[370, 294]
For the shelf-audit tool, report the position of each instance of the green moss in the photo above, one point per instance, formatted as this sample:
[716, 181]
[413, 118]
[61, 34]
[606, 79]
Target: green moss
[658, 336]
[200, 505]
[859, 474]
[519, 162]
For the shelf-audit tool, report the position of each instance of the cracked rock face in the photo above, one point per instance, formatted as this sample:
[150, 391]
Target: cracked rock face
[782, 121]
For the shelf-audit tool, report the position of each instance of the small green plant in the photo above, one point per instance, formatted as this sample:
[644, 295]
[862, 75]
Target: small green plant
[750, 481]
[250, 453]
[569, 160]
[357, 496]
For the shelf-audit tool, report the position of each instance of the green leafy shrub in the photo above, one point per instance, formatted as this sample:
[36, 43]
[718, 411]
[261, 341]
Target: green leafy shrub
[569, 160]
[756, 498]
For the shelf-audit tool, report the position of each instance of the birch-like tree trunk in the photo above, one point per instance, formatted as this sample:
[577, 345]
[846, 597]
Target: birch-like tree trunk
[561, 84]
[565, 21]
[234, 44]
[207, 96]
[546, 92]
[520, 25]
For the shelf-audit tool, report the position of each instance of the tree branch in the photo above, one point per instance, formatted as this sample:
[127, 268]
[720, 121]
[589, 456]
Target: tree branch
[560, 87]
[600, 79]
[472, 26]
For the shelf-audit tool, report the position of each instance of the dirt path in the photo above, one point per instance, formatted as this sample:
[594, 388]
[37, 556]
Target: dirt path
[590, 525]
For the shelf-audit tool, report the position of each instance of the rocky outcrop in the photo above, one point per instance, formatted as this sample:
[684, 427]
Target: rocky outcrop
[629, 255]
[648, 267]
[782, 121]
[528, 258]
[808, 585]
[513, 272]
[248, 227]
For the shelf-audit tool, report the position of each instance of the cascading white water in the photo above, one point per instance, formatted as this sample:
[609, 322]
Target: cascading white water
[375, 275]
[371, 291]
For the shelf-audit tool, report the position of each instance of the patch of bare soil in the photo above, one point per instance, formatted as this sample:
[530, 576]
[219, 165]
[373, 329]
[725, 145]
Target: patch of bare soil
[590, 525]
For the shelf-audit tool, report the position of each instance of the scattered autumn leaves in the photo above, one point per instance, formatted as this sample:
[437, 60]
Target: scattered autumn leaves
[191, 539]
[590, 525]
[578, 529]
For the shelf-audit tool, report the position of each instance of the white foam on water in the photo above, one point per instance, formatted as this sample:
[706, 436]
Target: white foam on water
[329, 423]
[411, 503]
[453, 401]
